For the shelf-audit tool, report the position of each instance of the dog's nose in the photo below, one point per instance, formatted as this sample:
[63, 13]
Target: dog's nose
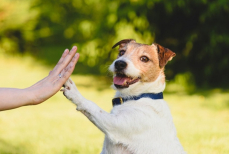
[120, 65]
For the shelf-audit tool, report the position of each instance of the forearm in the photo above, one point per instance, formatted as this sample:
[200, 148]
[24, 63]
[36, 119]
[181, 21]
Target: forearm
[12, 98]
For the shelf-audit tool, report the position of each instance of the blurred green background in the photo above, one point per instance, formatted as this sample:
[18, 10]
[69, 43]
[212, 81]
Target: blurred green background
[196, 30]
[34, 33]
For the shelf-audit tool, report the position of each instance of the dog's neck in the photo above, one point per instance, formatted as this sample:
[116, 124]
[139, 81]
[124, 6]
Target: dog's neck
[136, 89]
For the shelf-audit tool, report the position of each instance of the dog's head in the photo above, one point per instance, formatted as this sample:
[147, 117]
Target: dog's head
[138, 63]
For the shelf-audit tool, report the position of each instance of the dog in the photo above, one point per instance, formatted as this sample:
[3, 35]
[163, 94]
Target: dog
[140, 121]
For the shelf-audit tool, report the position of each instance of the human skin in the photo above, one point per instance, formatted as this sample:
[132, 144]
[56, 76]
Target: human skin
[11, 98]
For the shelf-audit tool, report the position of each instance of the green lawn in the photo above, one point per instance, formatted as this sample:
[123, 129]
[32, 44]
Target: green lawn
[55, 127]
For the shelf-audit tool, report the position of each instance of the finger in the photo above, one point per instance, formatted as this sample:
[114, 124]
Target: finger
[70, 68]
[50, 72]
[65, 53]
[71, 65]
[66, 60]
[65, 74]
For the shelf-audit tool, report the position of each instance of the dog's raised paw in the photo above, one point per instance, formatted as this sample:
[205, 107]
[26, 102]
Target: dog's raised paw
[70, 89]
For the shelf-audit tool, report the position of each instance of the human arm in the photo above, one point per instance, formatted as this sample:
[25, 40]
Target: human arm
[11, 98]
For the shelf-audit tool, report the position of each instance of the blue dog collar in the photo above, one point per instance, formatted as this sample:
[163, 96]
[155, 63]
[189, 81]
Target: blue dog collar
[120, 100]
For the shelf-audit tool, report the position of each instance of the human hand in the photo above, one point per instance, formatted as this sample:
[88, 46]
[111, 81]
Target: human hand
[51, 84]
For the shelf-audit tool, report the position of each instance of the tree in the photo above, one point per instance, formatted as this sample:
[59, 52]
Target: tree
[196, 30]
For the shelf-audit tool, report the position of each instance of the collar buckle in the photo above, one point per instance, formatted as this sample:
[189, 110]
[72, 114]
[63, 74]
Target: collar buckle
[117, 101]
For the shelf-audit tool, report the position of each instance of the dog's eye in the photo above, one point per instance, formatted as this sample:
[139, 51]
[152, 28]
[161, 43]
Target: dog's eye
[121, 52]
[144, 59]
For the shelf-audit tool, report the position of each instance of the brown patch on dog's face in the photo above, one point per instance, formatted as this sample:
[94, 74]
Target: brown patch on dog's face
[145, 59]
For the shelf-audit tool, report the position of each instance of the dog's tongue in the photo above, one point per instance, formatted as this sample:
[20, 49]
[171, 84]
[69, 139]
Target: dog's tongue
[120, 80]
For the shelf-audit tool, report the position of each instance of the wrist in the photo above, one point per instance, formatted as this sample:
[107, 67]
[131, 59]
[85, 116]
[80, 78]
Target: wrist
[30, 97]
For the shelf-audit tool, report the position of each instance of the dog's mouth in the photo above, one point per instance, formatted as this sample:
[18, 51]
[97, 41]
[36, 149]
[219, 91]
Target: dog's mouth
[123, 81]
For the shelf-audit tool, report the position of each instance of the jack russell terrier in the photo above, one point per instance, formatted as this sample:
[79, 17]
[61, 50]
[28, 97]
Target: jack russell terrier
[140, 121]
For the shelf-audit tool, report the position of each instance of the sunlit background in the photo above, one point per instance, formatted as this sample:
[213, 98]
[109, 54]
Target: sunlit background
[34, 33]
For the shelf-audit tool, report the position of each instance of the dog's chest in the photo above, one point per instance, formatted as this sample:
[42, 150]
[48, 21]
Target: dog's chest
[145, 126]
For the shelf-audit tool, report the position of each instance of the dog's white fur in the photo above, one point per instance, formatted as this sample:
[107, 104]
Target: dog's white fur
[144, 126]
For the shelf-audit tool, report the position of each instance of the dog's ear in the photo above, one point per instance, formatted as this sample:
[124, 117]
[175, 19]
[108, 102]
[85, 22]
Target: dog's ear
[123, 42]
[164, 55]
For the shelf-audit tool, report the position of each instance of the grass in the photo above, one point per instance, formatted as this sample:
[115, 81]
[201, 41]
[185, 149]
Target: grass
[55, 126]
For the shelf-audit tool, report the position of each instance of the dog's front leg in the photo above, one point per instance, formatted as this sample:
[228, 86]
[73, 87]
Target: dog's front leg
[71, 92]
[116, 125]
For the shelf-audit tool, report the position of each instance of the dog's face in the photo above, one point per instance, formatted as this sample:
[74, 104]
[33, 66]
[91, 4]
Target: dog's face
[138, 63]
